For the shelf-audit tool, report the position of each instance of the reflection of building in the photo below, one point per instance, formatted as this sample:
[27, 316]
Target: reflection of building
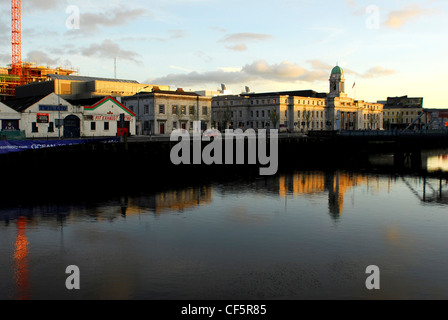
[21, 275]
[336, 183]
[174, 200]
[298, 110]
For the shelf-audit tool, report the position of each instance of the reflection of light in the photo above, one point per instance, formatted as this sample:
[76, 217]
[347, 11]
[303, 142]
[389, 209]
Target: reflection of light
[438, 163]
[21, 260]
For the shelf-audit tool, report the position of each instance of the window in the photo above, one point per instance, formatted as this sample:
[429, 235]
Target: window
[191, 110]
[262, 113]
[241, 114]
[175, 125]
[298, 113]
[161, 109]
[184, 110]
[258, 114]
[252, 114]
[146, 109]
[106, 126]
[51, 127]
[204, 110]
[34, 127]
[174, 110]
[92, 126]
[286, 113]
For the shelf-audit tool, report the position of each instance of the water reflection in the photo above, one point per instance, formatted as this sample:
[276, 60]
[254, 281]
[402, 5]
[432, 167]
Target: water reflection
[236, 239]
[438, 162]
[335, 183]
[21, 275]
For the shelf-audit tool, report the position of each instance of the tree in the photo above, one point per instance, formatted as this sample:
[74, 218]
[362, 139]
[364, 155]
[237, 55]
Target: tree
[307, 117]
[275, 117]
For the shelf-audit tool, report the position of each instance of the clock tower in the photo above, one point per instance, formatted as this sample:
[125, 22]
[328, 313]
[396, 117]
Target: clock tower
[337, 83]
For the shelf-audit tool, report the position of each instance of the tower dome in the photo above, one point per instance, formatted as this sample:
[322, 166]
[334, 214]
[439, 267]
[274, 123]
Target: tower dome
[337, 70]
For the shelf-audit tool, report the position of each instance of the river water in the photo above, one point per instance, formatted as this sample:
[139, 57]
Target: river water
[298, 235]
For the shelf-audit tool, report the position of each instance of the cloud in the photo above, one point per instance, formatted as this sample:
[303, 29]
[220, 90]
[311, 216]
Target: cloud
[245, 36]
[258, 70]
[239, 40]
[378, 72]
[397, 18]
[41, 5]
[111, 18]
[176, 34]
[108, 49]
[41, 58]
[237, 47]
[283, 72]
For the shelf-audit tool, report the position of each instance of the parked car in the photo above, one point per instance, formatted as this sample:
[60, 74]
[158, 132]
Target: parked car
[211, 133]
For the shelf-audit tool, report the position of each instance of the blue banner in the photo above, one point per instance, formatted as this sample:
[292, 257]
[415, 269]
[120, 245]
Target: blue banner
[18, 146]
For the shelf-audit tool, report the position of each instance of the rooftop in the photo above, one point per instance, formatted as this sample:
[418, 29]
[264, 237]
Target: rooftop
[86, 79]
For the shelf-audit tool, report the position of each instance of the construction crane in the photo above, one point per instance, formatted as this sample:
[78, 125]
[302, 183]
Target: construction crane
[16, 19]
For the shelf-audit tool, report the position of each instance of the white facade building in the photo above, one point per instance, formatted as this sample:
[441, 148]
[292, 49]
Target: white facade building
[102, 118]
[160, 112]
[49, 117]
[298, 111]
[9, 118]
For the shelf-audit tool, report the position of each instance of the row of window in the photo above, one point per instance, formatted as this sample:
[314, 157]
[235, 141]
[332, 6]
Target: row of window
[274, 101]
[182, 110]
[35, 127]
[402, 113]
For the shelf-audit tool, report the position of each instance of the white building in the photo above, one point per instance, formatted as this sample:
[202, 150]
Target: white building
[161, 112]
[9, 118]
[101, 117]
[51, 116]
[47, 117]
[298, 111]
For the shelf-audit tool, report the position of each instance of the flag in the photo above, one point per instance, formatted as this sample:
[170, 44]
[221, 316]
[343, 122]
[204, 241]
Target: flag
[353, 85]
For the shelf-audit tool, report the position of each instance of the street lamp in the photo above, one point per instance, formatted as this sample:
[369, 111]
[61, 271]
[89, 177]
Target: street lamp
[138, 110]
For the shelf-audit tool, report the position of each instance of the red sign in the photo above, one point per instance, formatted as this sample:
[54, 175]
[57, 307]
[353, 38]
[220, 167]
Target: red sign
[110, 118]
[43, 118]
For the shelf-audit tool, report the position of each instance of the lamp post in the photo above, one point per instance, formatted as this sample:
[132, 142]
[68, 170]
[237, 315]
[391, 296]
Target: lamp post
[138, 127]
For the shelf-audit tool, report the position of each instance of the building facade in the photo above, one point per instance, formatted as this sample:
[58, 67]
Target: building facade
[80, 87]
[298, 111]
[105, 117]
[160, 112]
[401, 112]
[51, 117]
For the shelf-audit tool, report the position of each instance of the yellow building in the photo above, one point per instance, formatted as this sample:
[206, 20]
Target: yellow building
[298, 111]
[400, 112]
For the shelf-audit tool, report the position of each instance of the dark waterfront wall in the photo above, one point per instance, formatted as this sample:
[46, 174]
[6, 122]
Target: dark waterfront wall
[93, 169]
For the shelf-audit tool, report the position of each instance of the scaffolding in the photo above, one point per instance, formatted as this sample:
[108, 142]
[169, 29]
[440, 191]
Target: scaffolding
[30, 73]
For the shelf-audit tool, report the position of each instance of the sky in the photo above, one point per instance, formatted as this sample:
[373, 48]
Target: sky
[386, 48]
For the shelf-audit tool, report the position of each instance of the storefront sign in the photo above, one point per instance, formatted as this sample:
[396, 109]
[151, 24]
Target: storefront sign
[52, 108]
[110, 118]
[43, 118]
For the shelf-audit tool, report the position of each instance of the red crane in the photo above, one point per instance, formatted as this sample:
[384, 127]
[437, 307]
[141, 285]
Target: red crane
[16, 17]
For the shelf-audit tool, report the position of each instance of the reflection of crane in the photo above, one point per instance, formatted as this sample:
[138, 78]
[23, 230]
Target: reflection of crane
[16, 22]
[437, 193]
